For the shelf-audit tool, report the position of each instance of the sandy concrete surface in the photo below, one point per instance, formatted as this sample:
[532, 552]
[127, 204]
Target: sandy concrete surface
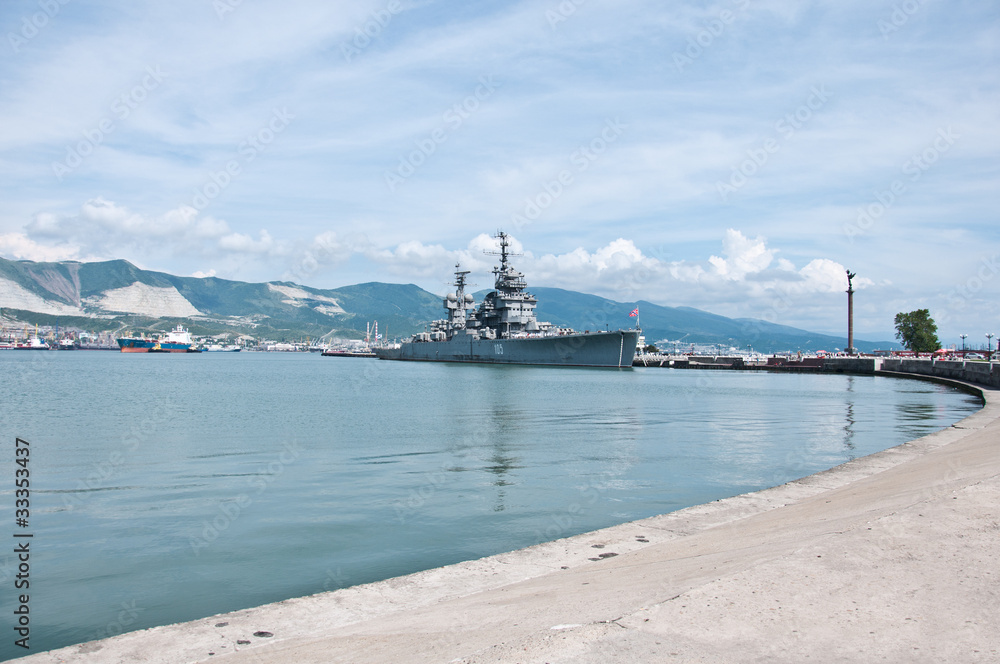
[888, 558]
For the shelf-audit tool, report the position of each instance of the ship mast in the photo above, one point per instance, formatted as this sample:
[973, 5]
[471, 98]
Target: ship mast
[457, 305]
[503, 250]
[459, 280]
[508, 280]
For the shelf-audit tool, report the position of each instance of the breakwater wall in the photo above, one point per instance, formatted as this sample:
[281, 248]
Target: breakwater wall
[969, 371]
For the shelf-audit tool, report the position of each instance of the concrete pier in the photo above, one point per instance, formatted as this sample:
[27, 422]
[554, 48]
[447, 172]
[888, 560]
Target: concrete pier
[971, 371]
[891, 557]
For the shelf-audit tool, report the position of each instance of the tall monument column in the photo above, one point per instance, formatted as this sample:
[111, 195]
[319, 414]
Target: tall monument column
[850, 312]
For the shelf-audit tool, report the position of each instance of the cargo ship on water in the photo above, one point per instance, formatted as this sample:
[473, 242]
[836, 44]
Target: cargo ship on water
[177, 340]
[503, 330]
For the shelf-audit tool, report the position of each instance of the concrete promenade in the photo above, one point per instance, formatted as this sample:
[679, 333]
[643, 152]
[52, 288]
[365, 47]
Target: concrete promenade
[888, 558]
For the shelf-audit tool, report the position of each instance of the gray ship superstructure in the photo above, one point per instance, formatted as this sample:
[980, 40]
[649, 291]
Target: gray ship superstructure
[503, 330]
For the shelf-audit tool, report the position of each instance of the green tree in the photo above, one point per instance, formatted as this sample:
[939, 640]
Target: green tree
[917, 331]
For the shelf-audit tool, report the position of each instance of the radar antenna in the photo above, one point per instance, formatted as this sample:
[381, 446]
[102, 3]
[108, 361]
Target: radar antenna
[503, 253]
[460, 282]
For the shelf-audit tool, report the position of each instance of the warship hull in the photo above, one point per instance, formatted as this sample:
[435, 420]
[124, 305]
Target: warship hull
[598, 349]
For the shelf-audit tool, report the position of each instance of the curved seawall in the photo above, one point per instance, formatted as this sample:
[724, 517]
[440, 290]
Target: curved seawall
[966, 371]
[980, 373]
[890, 556]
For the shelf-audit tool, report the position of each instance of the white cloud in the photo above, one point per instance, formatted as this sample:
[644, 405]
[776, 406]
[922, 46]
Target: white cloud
[327, 251]
[415, 259]
[824, 275]
[687, 272]
[19, 246]
[101, 224]
[105, 230]
[743, 256]
[619, 267]
[209, 227]
[245, 244]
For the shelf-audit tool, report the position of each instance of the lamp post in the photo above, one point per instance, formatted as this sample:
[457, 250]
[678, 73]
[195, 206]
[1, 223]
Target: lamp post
[963, 336]
[989, 345]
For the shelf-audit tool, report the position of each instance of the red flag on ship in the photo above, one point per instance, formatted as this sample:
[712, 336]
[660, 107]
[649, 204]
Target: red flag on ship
[635, 312]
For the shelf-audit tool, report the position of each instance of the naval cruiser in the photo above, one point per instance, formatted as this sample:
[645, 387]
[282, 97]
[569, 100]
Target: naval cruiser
[503, 330]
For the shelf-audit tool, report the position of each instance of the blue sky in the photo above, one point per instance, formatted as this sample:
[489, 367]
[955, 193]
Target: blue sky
[733, 156]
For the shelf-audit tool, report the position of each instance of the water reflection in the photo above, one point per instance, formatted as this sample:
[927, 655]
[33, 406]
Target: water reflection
[503, 425]
[849, 418]
[916, 412]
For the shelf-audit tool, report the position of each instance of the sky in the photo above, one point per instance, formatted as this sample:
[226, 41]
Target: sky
[736, 156]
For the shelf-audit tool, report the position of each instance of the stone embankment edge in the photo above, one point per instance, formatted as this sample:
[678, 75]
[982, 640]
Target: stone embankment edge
[307, 618]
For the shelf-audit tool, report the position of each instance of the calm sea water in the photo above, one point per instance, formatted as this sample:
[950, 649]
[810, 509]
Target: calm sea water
[171, 487]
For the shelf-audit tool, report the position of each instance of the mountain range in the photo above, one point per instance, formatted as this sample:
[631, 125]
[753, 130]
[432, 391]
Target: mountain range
[116, 295]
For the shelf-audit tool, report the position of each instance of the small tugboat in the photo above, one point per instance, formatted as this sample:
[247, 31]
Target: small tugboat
[503, 330]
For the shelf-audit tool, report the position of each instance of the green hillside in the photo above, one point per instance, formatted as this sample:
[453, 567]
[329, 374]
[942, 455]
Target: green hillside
[53, 281]
[399, 309]
[96, 278]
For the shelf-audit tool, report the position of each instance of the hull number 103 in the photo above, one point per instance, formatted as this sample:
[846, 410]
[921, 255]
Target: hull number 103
[498, 349]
